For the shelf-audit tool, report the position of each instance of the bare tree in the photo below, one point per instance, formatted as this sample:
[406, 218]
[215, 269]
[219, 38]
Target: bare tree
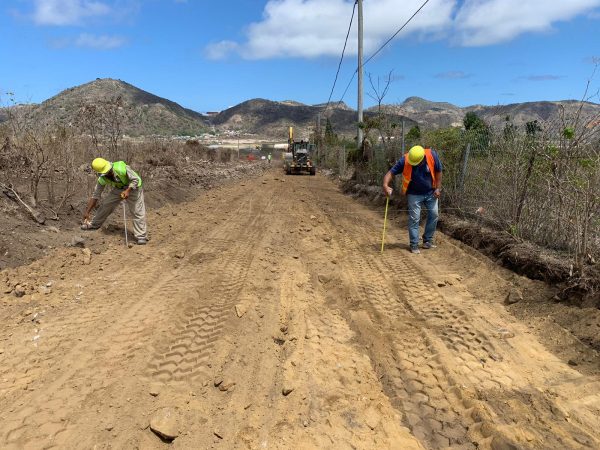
[31, 143]
[378, 92]
[102, 121]
[64, 149]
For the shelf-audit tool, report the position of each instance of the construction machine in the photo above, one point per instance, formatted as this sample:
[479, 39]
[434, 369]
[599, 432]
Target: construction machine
[298, 158]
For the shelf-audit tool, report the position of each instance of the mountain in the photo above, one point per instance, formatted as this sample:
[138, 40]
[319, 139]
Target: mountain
[338, 105]
[144, 113]
[442, 114]
[291, 103]
[269, 118]
[544, 111]
[426, 113]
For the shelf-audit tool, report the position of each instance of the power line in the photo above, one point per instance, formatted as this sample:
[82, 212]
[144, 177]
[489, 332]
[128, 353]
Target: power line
[348, 85]
[396, 33]
[342, 57]
[382, 47]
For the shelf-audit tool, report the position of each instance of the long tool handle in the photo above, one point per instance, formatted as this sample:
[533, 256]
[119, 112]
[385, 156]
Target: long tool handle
[125, 222]
[387, 202]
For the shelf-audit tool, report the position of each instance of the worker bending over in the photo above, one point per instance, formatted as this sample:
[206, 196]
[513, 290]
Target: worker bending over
[126, 185]
[421, 183]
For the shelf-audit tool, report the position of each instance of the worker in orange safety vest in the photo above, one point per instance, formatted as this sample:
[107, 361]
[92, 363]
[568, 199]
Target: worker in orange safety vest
[422, 184]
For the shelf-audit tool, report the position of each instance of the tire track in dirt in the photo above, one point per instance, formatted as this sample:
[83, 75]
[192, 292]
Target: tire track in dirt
[343, 406]
[200, 304]
[446, 331]
[411, 373]
[304, 347]
[74, 337]
[370, 350]
[48, 423]
[415, 380]
[32, 427]
[491, 367]
[59, 334]
[185, 352]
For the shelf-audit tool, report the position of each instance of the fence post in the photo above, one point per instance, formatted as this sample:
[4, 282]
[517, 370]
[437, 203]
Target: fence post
[463, 170]
[403, 144]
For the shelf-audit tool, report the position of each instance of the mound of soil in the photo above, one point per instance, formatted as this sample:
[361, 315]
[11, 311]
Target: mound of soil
[580, 286]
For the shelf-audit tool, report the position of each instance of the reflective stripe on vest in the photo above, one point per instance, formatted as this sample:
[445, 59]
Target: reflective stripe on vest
[119, 168]
[407, 172]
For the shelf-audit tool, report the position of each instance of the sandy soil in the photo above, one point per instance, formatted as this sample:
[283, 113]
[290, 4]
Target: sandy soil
[262, 315]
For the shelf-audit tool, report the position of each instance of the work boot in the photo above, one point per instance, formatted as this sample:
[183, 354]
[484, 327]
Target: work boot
[141, 241]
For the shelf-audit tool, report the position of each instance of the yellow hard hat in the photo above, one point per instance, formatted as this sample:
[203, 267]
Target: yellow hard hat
[416, 155]
[101, 165]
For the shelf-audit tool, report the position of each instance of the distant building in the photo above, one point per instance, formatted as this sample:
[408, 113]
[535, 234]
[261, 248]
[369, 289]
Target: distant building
[212, 113]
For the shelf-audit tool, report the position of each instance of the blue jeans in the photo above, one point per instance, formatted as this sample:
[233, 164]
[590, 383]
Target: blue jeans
[415, 202]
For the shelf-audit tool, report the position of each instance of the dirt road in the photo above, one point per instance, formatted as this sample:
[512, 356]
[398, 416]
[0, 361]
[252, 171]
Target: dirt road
[262, 315]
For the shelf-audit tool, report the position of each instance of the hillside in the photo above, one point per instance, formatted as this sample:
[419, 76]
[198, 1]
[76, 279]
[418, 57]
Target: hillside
[442, 114]
[544, 111]
[144, 113]
[269, 118]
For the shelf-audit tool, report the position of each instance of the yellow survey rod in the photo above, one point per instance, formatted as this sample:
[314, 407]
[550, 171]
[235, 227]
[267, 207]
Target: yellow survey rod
[387, 202]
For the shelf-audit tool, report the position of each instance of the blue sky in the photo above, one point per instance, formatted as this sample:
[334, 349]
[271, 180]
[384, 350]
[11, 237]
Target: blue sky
[209, 55]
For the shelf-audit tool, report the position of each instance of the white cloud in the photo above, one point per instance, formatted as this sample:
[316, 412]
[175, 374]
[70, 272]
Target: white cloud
[220, 50]
[103, 42]
[67, 12]
[486, 22]
[313, 28]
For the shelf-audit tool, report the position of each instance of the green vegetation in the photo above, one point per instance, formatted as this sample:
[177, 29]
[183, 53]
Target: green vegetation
[413, 135]
[473, 122]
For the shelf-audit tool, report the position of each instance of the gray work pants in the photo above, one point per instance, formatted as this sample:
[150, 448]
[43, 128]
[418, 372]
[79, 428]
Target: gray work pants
[136, 208]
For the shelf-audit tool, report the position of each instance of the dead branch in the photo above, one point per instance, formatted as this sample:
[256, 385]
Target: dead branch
[38, 217]
[54, 213]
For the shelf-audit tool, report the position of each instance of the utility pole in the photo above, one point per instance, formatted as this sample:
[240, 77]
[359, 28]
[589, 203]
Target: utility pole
[360, 72]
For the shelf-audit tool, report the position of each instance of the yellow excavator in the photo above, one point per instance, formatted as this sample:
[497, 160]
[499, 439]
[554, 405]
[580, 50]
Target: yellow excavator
[298, 158]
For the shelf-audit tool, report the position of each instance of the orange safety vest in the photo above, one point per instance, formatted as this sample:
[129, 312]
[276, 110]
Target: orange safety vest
[407, 172]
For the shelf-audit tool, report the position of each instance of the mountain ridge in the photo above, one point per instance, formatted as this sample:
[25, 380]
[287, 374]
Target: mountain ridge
[443, 114]
[149, 114]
